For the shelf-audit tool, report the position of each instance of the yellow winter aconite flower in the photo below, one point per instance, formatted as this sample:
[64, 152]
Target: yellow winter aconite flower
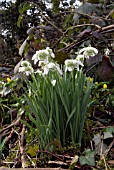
[96, 83]
[105, 86]
[85, 87]
[90, 79]
[8, 80]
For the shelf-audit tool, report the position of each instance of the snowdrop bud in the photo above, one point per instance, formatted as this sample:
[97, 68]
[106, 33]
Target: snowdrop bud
[53, 82]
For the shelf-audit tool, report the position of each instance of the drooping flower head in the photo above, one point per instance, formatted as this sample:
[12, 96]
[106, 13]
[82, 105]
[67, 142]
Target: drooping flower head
[26, 68]
[50, 52]
[53, 67]
[88, 51]
[71, 64]
[43, 55]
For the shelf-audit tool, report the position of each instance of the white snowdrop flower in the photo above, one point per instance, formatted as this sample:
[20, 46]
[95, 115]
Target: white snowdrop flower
[88, 51]
[41, 55]
[79, 57]
[52, 55]
[70, 64]
[51, 65]
[22, 69]
[39, 72]
[59, 70]
[35, 58]
[48, 67]
[26, 68]
[46, 70]
[55, 67]
[25, 63]
[29, 71]
[53, 82]
[50, 52]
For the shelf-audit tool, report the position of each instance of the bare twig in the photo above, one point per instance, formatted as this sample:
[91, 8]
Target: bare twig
[106, 28]
[12, 125]
[71, 28]
[103, 127]
[10, 135]
[82, 25]
[7, 65]
[3, 75]
[103, 30]
[21, 146]
[105, 163]
[107, 150]
[30, 160]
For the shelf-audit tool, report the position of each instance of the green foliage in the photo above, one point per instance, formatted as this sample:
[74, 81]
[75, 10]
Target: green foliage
[23, 7]
[56, 4]
[110, 129]
[2, 144]
[103, 93]
[32, 150]
[57, 113]
[9, 100]
[88, 158]
[59, 110]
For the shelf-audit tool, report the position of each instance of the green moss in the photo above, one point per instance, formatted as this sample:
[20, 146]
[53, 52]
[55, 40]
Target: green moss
[32, 150]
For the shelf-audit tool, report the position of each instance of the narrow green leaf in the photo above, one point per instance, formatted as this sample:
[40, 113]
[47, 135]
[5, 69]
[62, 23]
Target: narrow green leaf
[19, 20]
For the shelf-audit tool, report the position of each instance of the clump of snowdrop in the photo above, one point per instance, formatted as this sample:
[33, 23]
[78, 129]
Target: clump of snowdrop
[26, 68]
[51, 92]
[45, 61]
[88, 52]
